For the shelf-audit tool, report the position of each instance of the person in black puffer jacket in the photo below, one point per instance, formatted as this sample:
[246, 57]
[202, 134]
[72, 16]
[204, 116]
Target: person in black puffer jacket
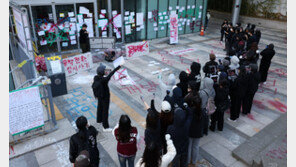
[222, 103]
[267, 54]
[179, 131]
[183, 84]
[211, 66]
[254, 78]
[195, 73]
[196, 127]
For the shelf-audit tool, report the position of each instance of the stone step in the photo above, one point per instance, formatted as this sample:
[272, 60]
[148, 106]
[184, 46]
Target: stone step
[268, 143]
[225, 141]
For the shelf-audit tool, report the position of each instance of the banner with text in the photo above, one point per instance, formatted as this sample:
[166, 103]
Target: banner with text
[137, 49]
[78, 63]
[173, 28]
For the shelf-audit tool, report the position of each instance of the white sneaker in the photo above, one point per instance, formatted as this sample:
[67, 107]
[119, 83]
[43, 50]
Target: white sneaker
[231, 120]
[107, 130]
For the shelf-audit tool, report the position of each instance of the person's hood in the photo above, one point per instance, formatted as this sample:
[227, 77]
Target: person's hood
[208, 83]
[270, 46]
[179, 117]
[195, 68]
[183, 76]
[225, 62]
[234, 62]
[171, 80]
[177, 93]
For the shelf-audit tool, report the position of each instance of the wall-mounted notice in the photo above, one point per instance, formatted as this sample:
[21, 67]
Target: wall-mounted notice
[83, 10]
[117, 21]
[71, 14]
[25, 110]
[173, 28]
[140, 19]
[128, 29]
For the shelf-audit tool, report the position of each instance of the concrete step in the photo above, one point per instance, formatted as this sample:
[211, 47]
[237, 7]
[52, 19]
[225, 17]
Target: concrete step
[267, 146]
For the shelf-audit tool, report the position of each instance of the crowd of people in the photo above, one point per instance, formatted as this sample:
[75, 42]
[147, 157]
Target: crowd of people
[189, 108]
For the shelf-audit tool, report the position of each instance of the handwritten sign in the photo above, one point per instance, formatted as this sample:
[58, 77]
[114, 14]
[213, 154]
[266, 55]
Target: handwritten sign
[173, 28]
[137, 49]
[78, 63]
[25, 110]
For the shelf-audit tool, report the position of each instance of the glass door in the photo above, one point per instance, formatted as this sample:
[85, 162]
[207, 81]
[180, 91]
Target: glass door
[103, 22]
[129, 20]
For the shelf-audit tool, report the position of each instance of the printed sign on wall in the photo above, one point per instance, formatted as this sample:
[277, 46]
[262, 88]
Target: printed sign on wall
[173, 28]
[137, 49]
[78, 63]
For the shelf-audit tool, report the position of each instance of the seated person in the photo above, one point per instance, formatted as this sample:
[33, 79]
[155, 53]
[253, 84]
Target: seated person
[110, 55]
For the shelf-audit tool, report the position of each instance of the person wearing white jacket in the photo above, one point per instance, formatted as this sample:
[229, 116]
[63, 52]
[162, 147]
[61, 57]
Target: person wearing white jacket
[163, 161]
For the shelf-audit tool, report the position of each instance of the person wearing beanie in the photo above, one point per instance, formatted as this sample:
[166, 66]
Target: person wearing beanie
[196, 127]
[195, 73]
[84, 39]
[183, 84]
[82, 160]
[267, 54]
[166, 119]
[254, 78]
[211, 66]
[207, 91]
[102, 93]
[85, 140]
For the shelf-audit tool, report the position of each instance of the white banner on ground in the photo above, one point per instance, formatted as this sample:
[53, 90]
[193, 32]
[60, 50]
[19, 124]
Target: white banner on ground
[25, 110]
[75, 64]
[182, 51]
[119, 61]
[137, 49]
[173, 28]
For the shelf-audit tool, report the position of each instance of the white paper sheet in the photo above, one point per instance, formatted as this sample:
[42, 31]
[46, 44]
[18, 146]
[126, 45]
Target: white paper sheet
[72, 19]
[117, 21]
[104, 34]
[72, 37]
[64, 44]
[56, 66]
[62, 15]
[80, 18]
[102, 16]
[114, 12]
[103, 22]
[103, 11]
[119, 61]
[170, 8]
[40, 33]
[89, 15]
[140, 19]
[126, 13]
[71, 14]
[73, 42]
[83, 10]
[149, 15]
[43, 42]
[127, 29]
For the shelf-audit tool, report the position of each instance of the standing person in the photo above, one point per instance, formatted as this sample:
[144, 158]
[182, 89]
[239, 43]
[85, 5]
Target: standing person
[222, 102]
[167, 89]
[102, 93]
[196, 127]
[211, 66]
[223, 30]
[179, 131]
[82, 160]
[195, 73]
[84, 39]
[205, 93]
[126, 136]
[253, 82]
[84, 140]
[183, 84]
[267, 54]
[152, 158]
[207, 19]
[166, 119]
[258, 36]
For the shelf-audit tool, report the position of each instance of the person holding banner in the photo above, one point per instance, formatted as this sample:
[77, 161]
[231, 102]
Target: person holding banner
[102, 93]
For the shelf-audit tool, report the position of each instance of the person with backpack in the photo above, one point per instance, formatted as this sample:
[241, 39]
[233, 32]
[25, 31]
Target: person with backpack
[179, 132]
[207, 95]
[126, 136]
[84, 140]
[176, 100]
[195, 74]
[196, 127]
[102, 93]
[210, 68]
[267, 54]
[82, 160]
[254, 78]
[152, 158]
[222, 103]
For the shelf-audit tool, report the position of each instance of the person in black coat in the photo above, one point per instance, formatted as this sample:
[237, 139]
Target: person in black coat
[84, 39]
[176, 100]
[211, 66]
[196, 127]
[179, 131]
[183, 84]
[267, 54]
[102, 93]
[222, 103]
[84, 140]
[258, 36]
[223, 29]
[252, 87]
[195, 73]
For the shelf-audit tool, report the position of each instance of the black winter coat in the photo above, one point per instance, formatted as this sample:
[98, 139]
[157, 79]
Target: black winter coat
[100, 85]
[267, 54]
[77, 145]
[253, 82]
[83, 36]
[206, 68]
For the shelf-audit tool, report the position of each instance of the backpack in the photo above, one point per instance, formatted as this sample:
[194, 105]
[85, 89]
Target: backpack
[211, 107]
